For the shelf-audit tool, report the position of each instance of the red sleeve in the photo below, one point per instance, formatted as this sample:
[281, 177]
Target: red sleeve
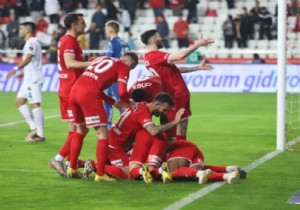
[122, 91]
[123, 74]
[69, 47]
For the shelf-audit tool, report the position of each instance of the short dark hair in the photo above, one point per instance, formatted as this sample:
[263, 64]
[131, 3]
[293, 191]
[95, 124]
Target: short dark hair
[114, 24]
[139, 95]
[164, 97]
[133, 56]
[72, 18]
[147, 35]
[29, 25]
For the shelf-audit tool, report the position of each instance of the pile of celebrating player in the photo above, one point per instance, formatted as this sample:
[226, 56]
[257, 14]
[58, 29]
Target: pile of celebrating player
[134, 147]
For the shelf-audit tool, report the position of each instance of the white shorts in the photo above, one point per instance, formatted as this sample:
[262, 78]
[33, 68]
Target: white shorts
[33, 92]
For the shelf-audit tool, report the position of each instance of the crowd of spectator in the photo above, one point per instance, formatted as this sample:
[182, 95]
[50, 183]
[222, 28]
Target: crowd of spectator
[236, 30]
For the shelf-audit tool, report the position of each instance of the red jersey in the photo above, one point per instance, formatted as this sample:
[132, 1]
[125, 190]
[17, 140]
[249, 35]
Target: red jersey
[157, 62]
[102, 73]
[130, 122]
[151, 84]
[67, 77]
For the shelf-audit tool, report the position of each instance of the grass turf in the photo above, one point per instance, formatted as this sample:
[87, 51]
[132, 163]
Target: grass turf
[229, 129]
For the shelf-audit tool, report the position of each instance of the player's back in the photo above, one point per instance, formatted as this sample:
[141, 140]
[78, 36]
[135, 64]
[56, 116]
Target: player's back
[131, 120]
[151, 84]
[103, 72]
[68, 45]
[158, 63]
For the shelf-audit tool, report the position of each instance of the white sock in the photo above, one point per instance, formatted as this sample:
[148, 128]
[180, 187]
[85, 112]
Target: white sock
[199, 173]
[160, 170]
[141, 171]
[58, 157]
[24, 110]
[38, 117]
[232, 168]
[225, 176]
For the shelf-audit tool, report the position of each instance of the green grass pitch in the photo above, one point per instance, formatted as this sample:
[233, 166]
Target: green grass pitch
[229, 129]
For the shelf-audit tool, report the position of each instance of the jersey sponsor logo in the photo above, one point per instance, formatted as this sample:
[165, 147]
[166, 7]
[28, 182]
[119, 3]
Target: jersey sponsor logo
[142, 85]
[117, 162]
[90, 74]
[63, 76]
[92, 120]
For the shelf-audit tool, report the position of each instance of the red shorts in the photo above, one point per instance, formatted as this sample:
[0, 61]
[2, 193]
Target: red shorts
[183, 102]
[87, 107]
[148, 148]
[65, 111]
[117, 156]
[186, 150]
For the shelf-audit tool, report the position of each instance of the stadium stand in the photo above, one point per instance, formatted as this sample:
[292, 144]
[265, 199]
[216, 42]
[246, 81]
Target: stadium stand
[211, 15]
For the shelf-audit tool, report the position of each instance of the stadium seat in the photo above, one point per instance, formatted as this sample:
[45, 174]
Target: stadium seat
[263, 44]
[273, 44]
[252, 44]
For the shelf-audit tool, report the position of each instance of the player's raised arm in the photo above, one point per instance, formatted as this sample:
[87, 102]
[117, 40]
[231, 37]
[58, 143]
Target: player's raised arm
[184, 53]
[202, 66]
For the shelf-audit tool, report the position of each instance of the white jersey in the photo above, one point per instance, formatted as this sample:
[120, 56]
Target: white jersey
[33, 71]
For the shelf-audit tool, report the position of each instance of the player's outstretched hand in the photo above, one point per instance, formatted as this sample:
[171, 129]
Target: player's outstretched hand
[178, 115]
[20, 75]
[204, 42]
[10, 74]
[204, 66]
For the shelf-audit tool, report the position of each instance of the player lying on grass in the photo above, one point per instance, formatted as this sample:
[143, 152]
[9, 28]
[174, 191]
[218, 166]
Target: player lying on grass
[183, 153]
[185, 160]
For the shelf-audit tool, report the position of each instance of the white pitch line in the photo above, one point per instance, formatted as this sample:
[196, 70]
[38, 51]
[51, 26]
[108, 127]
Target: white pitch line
[194, 196]
[25, 170]
[23, 121]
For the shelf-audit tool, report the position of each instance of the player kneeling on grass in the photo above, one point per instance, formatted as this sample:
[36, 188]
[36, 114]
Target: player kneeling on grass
[135, 123]
[185, 160]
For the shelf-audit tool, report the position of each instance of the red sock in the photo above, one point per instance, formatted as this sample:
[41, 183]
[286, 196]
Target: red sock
[80, 164]
[185, 172]
[115, 172]
[180, 137]
[216, 168]
[135, 173]
[155, 173]
[216, 177]
[101, 154]
[93, 163]
[76, 146]
[65, 150]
